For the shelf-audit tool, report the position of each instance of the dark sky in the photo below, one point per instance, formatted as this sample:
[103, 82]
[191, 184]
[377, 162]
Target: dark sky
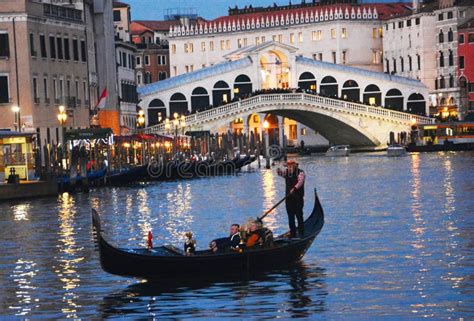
[209, 9]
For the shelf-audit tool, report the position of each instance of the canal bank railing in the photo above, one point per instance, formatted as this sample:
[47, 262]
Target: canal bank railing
[252, 104]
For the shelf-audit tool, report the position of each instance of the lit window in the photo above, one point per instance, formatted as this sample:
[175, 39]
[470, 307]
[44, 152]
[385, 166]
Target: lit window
[211, 45]
[374, 33]
[300, 37]
[239, 43]
[173, 48]
[222, 44]
[292, 38]
[381, 32]
[344, 33]
[227, 44]
[203, 46]
[372, 101]
[257, 40]
[333, 33]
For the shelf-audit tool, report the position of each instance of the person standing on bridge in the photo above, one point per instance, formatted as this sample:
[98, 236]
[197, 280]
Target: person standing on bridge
[294, 180]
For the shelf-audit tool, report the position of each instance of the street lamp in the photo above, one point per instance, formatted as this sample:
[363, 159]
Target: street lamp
[16, 111]
[159, 118]
[167, 125]
[141, 118]
[62, 117]
[266, 125]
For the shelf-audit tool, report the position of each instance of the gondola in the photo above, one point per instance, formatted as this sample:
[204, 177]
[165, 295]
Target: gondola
[64, 182]
[169, 261]
[126, 176]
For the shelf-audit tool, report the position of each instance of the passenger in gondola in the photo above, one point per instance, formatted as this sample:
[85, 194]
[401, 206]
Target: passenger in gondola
[294, 181]
[227, 243]
[254, 235]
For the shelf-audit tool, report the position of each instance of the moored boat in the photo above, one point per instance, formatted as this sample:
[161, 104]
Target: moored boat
[169, 261]
[396, 150]
[338, 150]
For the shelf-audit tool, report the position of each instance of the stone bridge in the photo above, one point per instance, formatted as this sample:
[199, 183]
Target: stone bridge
[339, 121]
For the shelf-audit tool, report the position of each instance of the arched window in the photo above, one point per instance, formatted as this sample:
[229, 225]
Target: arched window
[199, 99]
[441, 59]
[221, 93]
[394, 99]
[242, 86]
[441, 36]
[178, 104]
[451, 81]
[442, 83]
[451, 58]
[147, 77]
[307, 81]
[162, 75]
[372, 95]
[451, 101]
[416, 104]
[329, 87]
[156, 110]
[402, 65]
[450, 35]
[351, 91]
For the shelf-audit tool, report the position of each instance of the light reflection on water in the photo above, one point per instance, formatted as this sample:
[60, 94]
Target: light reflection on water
[398, 242]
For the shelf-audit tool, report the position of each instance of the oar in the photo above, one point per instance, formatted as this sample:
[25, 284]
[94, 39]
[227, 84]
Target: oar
[275, 206]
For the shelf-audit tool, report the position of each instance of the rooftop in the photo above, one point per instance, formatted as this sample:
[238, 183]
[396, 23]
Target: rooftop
[156, 25]
[118, 4]
[359, 71]
[200, 74]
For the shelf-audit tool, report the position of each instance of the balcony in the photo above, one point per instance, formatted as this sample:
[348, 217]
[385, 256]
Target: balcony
[62, 12]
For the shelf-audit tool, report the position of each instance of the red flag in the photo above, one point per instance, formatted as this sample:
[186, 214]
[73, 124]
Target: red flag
[102, 98]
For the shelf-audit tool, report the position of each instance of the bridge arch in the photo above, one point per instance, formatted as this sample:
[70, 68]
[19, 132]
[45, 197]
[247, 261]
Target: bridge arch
[199, 99]
[155, 108]
[307, 81]
[372, 95]
[394, 99]
[178, 104]
[329, 87]
[350, 90]
[220, 93]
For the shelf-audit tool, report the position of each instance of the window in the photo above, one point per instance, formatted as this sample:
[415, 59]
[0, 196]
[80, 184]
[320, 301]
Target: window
[400, 24]
[257, 40]
[188, 48]
[75, 50]
[227, 42]
[35, 90]
[470, 38]
[139, 61]
[68, 88]
[387, 66]
[333, 57]
[344, 57]
[76, 86]
[450, 35]
[442, 83]
[292, 38]
[173, 50]
[441, 36]
[191, 68]
[4, 45]
[117, 15]
[175, 70]
[394, 66]
[280, 38]
[211, 45]
[374, 57]
[409, 23]
[300, 37]
[374, 33]
[83, 51]
[333, 33]
[222, 44]
[451, 81]
[410, 63]
[61, 88]
[441, 16]
[461, 62]
[239, 42]
[147, 77]
[203, 46]
[161, 60]
[55, 90]
[320, 56]
[450, 15]
[4, 92]
[139, 79]
[43, 46]
[461, 38]
[86, 92]
[45, 87]
[66, 49]
[344, 33]
[418, 57]
[402, 65]
[124, 59]
[32, 45]
[59, 44]
[417, 21]
[386, 26]
[274, 37]
[186, 68]
[263, 39]
[381, 32]
[451, 58]
[317, 35]
[245, 42]
[441, 59]
[147, 60]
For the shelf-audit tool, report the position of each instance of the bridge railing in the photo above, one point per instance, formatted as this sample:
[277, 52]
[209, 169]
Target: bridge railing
[324, 102]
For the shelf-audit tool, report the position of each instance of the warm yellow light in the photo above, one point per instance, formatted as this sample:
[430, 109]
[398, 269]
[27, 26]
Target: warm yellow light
[167, 144]
[15, 109]
[140, 112]
[266, 124]
[413, 121]
[236, 90]
[175, 115]
[126, 145]
[61, 109]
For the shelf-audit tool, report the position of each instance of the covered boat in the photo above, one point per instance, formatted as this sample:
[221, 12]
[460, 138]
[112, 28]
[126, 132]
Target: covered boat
[169, 261]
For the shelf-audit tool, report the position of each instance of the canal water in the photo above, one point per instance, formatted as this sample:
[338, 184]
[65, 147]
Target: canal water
[398, 244]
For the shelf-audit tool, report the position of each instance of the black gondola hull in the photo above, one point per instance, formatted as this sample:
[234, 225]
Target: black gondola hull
[167, 261]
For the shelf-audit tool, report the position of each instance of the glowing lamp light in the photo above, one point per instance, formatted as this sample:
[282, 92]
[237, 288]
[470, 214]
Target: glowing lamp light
[15, 109]
[266, 124]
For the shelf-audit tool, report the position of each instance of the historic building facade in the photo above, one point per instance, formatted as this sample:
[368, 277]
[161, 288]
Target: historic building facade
[466, 65]
[349, 34]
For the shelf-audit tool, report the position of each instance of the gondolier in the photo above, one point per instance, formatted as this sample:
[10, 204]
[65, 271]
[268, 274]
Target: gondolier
[294, 180]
